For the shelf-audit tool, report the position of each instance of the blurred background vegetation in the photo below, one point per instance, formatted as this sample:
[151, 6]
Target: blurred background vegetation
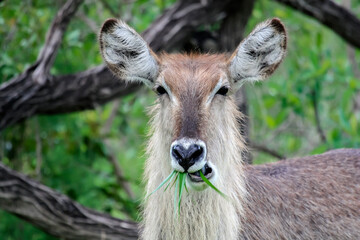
[307, 107]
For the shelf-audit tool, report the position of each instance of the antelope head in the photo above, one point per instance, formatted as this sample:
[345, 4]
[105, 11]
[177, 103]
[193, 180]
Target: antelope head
[195, 115]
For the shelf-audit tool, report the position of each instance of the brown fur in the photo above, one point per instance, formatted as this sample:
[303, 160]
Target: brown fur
[316, 197]
[191, 78]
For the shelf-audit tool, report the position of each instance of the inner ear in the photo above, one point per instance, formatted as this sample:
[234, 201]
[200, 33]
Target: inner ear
[260, 53]
[126, 54]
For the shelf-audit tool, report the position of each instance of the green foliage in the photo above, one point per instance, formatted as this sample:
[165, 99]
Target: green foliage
[75, 158]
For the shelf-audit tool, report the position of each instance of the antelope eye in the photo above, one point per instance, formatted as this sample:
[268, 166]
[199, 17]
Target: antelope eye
[160, 90]
[223, 91]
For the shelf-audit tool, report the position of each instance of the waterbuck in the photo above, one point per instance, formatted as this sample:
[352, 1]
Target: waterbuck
[194, 128]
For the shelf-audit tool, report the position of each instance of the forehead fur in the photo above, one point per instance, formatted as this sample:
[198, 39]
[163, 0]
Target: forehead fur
[196, 73]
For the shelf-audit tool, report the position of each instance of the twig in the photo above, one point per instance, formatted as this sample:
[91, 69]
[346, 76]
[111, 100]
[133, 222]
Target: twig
[109, 8]
[314, 100]
[261, 148]
[91, 23]
[109, 121]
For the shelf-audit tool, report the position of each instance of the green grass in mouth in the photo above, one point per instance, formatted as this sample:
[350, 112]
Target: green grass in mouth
[179, 180]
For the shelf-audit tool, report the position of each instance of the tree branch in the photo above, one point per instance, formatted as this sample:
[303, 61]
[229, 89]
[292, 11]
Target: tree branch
[332, 15]
[55, 213]
[53, 40]
[20, 98]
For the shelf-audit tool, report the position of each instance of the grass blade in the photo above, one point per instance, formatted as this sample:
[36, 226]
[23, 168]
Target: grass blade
[162, 184]
[181, 188]
[211, 185]
[175, 194]
[186, 188]
[171, 181]
[177, 175]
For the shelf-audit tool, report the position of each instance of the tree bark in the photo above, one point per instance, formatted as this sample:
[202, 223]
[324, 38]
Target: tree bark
[55, 213]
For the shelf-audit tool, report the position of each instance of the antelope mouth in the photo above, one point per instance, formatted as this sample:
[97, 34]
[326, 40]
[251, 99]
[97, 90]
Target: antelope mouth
[206, 170]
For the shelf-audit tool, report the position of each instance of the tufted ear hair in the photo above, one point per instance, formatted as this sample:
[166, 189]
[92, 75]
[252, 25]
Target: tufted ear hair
[258, 55]
[127, 54]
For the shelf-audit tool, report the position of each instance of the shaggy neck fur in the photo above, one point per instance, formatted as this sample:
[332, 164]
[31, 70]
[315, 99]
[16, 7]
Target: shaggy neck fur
[205, 214]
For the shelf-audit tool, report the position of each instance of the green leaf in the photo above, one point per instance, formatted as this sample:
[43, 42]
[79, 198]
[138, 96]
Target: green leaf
[162, 184]
[211, 185]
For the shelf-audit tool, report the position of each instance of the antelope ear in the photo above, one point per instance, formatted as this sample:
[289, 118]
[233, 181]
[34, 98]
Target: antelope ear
[127, 54]
[258, 55]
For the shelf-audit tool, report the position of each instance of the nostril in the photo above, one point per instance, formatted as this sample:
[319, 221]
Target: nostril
[196, 152]
[178, 152]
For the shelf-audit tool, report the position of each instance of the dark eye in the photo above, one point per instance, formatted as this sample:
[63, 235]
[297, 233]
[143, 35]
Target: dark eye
[223, 91]
[160, 90]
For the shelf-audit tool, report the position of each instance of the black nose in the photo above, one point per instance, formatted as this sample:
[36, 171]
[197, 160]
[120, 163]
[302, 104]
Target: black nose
[187, 157]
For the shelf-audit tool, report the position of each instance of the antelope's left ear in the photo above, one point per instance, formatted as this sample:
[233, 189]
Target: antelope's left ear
[259, 54]
[126, 53]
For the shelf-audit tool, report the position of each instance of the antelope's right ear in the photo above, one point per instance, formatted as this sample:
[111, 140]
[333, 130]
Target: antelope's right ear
[127, 54]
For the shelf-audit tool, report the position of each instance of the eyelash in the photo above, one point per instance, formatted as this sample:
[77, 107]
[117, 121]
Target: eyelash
[223, 91]
[160, 90]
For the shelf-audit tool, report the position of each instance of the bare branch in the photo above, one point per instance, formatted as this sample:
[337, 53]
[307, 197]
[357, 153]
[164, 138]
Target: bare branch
[332, 15]
[55, 213]
[53, 40]
[109, 8]
[314, 100]
[264, 149]
[20, 98]
[91, 23]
